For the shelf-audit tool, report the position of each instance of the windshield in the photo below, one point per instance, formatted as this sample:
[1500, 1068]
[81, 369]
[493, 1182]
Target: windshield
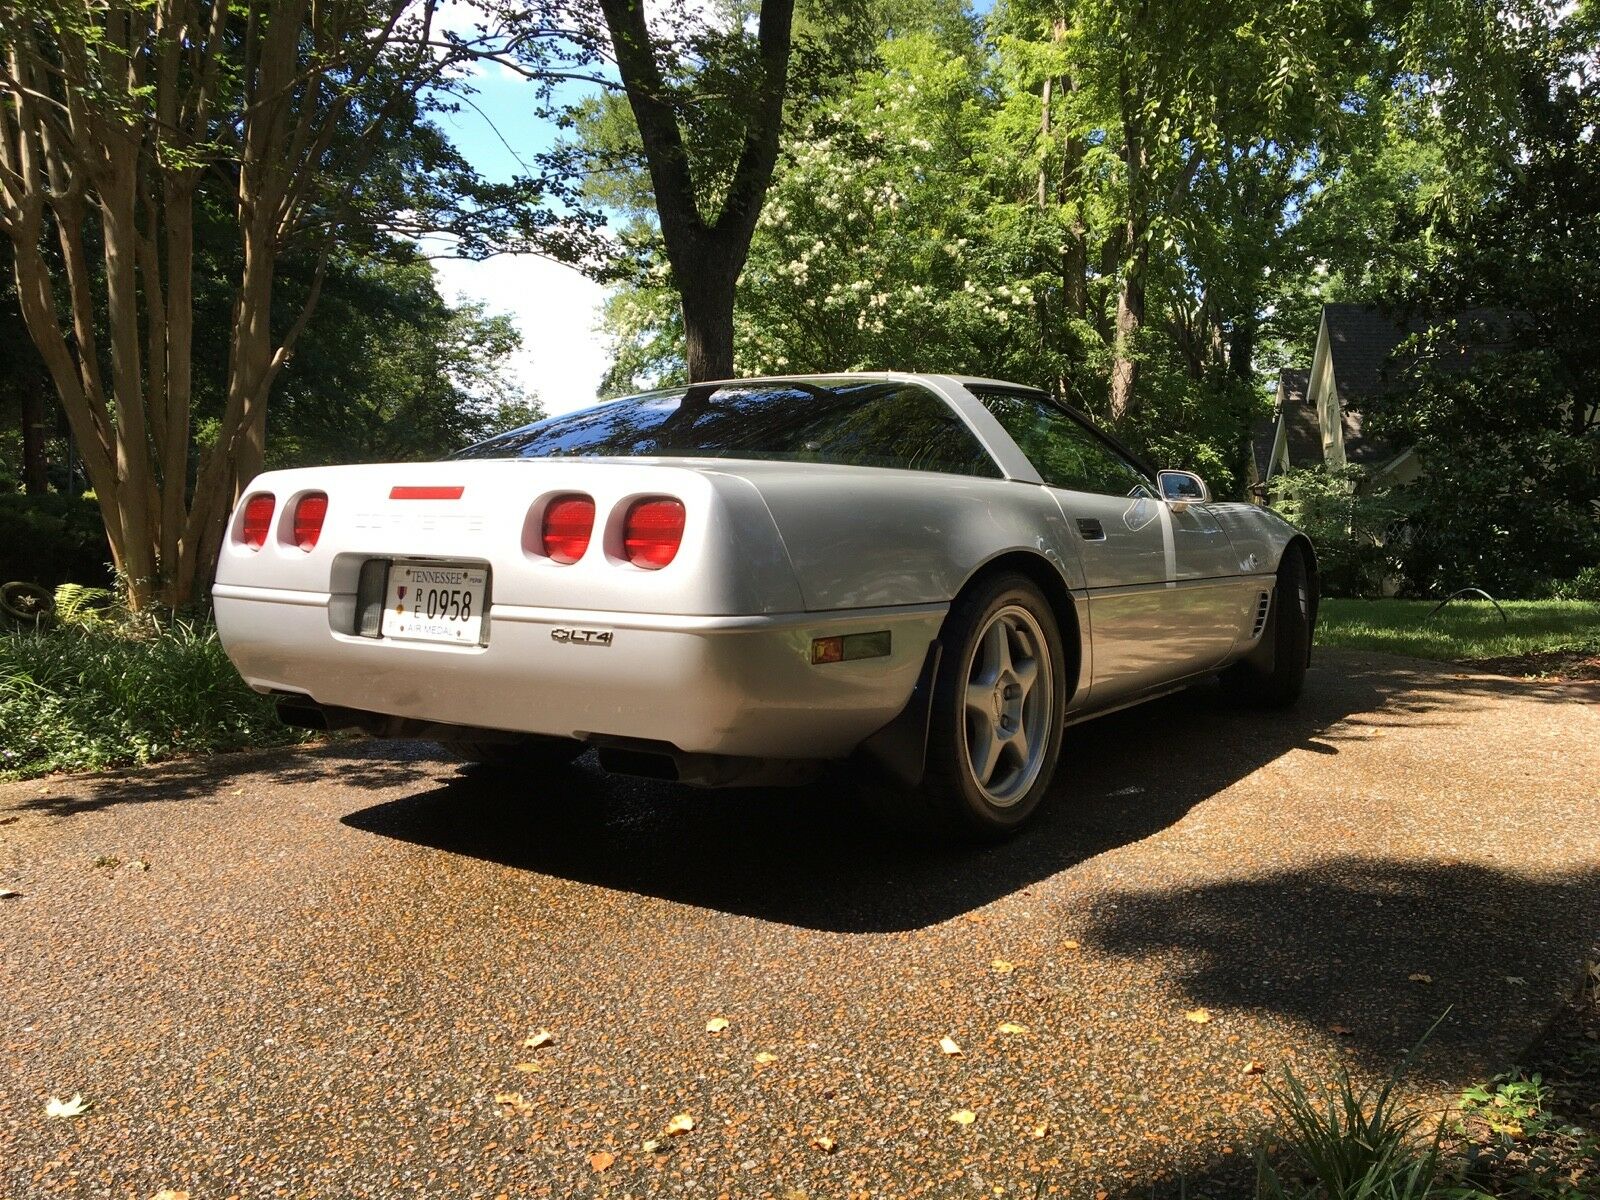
[852, 423]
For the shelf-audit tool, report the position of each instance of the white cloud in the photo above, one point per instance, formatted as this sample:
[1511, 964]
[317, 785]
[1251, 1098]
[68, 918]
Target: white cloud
[556, 310]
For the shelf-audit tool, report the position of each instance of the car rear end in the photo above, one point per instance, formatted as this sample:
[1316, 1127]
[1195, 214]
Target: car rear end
[636, 603]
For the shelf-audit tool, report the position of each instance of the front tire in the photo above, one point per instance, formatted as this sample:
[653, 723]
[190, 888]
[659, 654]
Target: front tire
[997, 715]
[1287, 637]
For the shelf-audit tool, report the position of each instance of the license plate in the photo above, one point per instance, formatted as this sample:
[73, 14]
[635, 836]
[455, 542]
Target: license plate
[435, 602]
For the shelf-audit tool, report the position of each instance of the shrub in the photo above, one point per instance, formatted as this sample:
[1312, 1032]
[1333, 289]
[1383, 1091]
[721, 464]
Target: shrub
[52, 539]
[1351, 528]
[1585, 585]
[94, 696]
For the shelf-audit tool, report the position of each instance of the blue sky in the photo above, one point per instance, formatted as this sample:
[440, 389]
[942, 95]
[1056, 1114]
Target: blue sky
[554, 307]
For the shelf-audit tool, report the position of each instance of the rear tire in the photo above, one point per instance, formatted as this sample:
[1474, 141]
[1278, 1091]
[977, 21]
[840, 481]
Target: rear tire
[533, 752]
[995, 726]
[1288, 634]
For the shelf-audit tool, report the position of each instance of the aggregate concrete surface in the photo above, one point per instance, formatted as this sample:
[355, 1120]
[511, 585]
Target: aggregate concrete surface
[312, 972]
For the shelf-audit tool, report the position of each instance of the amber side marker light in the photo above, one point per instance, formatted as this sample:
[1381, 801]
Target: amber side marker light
[849, 647]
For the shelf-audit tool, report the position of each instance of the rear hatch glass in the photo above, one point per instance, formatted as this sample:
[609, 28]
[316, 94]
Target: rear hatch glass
[865, 424]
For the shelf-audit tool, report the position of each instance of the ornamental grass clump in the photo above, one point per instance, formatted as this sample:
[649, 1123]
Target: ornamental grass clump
[1350, 1143]
[100, 693]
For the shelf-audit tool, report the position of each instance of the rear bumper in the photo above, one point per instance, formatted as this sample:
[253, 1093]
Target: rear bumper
[716, 685]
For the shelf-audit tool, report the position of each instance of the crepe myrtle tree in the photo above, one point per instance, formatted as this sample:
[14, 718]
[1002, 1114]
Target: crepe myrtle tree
[307, 123]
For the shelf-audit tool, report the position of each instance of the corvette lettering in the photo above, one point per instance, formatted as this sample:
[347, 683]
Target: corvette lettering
[582, 637]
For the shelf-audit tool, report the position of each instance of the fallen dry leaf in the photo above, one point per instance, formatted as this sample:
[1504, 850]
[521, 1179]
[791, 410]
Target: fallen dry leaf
[1341, 1030]
[538, 1039]
[1039, 1130]
[527, 1068]
[949, 1046]
[679, 1125]
[1069, 944]
[1012, 1027]
[1200, 1016]
[1419, 977]
[1001, 967]
[825, 1144]
[1253, 1068]
[717, 1024]
[600, 1160]
[650, 1145]
[765, 1058]
[75, 1107]
[963, 1116]
[513, 1102]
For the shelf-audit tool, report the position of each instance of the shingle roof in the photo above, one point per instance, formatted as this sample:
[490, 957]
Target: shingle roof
[1302, 435]
[1360, 341]
[1262, 435]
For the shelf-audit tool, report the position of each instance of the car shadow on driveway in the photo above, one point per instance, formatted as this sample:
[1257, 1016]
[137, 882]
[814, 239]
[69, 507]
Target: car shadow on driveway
[357, 763]
[812, 856]
[809, 857]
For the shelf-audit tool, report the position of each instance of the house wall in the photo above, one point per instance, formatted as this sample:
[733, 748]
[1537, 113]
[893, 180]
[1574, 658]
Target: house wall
[1323, 394]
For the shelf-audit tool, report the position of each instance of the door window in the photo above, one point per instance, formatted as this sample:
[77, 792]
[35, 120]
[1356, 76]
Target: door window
[1066, 453]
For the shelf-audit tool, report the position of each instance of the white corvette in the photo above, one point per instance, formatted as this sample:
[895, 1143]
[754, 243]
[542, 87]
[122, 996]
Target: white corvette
[733, 582]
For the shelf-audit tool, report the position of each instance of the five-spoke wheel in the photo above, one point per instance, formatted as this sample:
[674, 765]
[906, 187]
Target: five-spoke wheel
[996, 715]
[1009, 704]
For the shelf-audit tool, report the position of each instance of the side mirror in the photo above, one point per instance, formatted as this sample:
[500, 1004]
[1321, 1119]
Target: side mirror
[1183, 488]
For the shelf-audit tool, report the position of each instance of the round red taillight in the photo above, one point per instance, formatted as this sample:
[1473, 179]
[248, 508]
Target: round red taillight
[309, 511]
[257, 520]
[568, 522]
[652, 532]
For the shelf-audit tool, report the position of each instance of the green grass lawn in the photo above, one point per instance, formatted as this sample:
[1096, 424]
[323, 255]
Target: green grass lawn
[1463, 629]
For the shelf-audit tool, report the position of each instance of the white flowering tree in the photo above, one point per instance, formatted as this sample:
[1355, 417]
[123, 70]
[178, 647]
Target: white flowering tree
[1103, 198]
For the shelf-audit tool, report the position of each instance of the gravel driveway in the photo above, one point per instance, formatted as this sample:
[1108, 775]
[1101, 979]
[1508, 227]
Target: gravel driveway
[311, 973]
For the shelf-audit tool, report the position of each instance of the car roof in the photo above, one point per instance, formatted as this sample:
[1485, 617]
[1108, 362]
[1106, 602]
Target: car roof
[963, 380]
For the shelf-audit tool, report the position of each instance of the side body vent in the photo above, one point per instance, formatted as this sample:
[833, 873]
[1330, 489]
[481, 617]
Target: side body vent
[1263, 607]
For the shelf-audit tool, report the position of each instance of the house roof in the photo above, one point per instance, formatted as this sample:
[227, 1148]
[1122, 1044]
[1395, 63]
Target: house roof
[1360, 341]
[1361, 344]
[1263, 433]
[1302, 435]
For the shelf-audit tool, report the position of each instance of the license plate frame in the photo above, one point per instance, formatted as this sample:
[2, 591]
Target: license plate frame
[410, 614]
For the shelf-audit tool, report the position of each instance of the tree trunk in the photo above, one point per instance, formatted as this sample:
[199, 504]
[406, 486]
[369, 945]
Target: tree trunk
[107, 146]
[706, 256]
[707, 298]
[1242, 349]
[35, 466]
[1130, 320]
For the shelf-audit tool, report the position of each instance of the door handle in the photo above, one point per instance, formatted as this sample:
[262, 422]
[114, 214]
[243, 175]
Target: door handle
[1091, 530]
